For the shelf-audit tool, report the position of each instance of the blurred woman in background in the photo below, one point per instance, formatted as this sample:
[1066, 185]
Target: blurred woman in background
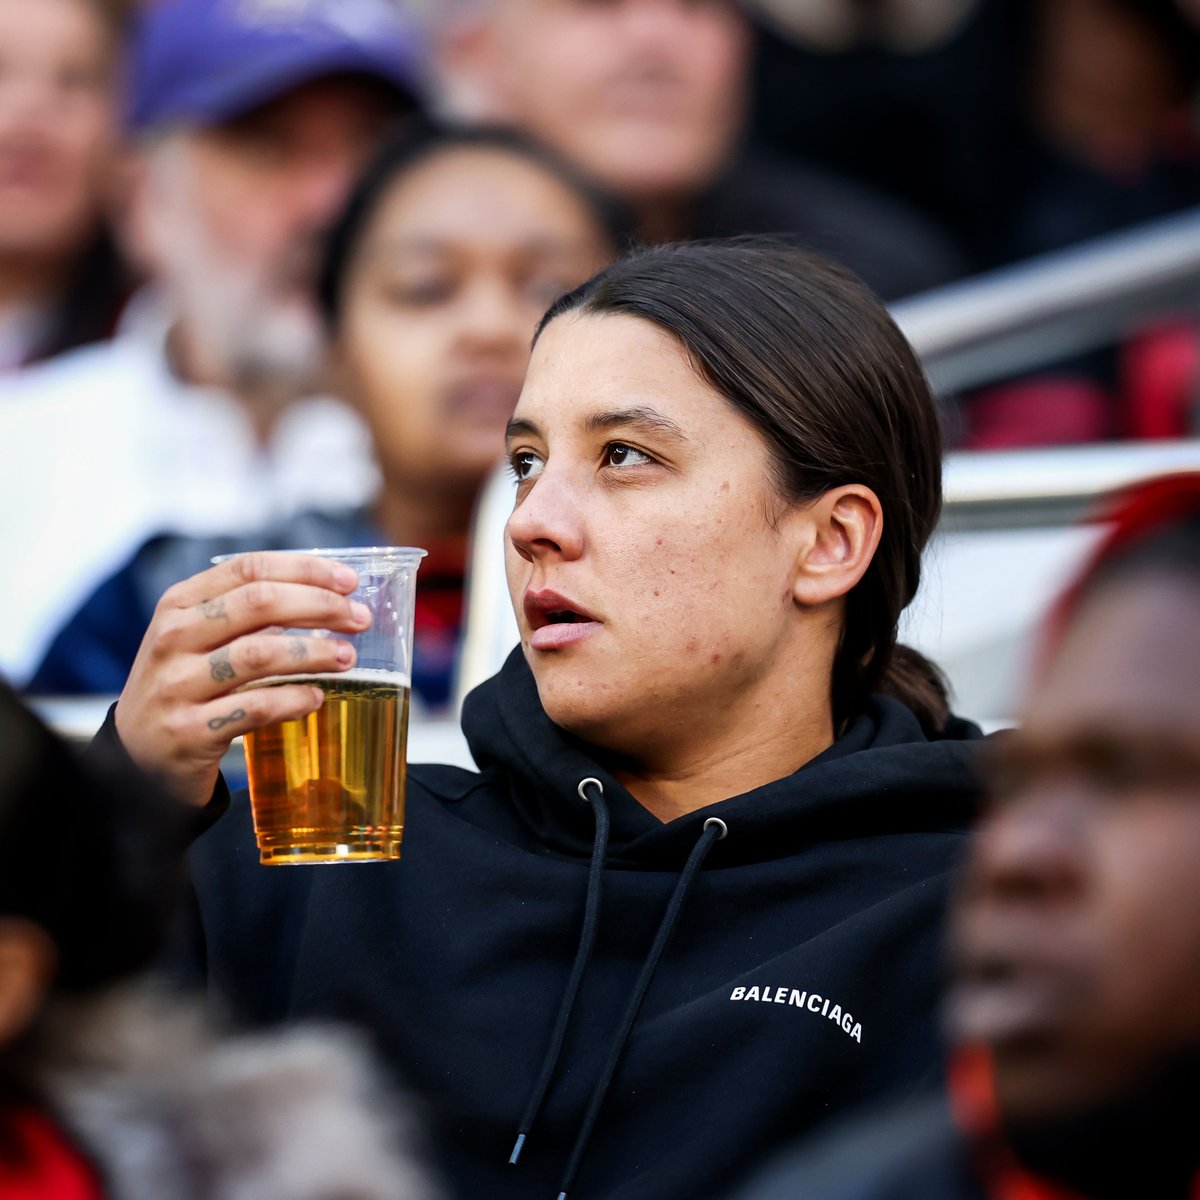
[445, 257]
[61, 280]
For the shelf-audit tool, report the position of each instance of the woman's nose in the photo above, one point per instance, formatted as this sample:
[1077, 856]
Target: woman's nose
[547, 520]
[491, 319]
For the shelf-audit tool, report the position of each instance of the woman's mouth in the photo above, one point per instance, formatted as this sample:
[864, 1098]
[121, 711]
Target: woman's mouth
[555, 621]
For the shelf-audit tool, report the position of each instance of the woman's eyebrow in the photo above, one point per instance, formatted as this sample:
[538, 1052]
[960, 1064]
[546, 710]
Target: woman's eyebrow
[402, 246]
[539, 247]
[636, 417]
[520, 427]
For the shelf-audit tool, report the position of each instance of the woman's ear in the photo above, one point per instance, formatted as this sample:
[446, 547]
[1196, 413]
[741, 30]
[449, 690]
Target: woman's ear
[842, 532]
[27, 962]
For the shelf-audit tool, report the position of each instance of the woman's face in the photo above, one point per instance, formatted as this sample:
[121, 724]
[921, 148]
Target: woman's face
[649, 560]
[454, 270]
[57, 120]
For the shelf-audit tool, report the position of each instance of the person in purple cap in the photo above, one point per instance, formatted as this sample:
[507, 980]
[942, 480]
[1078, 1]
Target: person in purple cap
[249, 120]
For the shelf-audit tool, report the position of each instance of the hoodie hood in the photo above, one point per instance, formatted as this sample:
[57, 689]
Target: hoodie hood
[884, 774]
[636, 1008]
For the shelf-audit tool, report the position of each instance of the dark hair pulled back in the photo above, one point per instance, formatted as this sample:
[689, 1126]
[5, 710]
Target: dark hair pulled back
[809, 355]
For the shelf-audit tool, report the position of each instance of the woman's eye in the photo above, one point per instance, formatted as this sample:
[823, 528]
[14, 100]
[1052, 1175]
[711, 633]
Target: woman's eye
[619, 455]
[419, 293]
[525, 465]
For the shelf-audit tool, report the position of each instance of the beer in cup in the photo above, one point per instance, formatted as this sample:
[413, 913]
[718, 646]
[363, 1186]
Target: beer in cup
[329, 787]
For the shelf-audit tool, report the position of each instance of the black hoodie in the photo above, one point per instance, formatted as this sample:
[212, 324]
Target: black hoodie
[799, 977]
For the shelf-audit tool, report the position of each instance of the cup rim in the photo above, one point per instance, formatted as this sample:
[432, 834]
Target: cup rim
[341, 553]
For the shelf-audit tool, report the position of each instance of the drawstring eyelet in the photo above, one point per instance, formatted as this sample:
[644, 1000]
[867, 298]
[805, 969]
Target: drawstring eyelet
[583, 783]
[720, 825]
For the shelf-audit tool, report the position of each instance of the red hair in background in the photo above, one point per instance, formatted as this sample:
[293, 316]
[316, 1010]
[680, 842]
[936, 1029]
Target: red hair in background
[1133, 516]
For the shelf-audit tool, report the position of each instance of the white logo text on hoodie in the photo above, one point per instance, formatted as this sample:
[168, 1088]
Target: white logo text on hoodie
[809, 1001]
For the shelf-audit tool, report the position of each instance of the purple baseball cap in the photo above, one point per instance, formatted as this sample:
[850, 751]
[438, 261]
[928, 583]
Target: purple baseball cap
[201, 62]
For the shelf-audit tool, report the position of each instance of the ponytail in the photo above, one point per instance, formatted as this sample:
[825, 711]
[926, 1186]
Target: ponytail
[911, 678]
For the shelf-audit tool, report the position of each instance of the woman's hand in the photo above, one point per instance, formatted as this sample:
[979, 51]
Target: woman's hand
[216, 632]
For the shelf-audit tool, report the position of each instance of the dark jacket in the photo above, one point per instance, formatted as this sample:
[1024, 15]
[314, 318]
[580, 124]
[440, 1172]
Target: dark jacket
[800, 976]
[895, 251]
[954, 1146]
[93, 652]
[912, 1151]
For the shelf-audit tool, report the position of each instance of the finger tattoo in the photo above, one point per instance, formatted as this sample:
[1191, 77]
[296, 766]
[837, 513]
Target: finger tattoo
[220, 666]
[238, 714]
[299, 649]
[214, 610]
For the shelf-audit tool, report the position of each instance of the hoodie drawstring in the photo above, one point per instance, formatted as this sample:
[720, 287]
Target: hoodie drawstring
[587, 939]
[714, 830]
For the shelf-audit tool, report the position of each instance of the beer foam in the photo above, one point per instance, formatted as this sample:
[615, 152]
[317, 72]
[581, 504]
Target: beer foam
[376, 676]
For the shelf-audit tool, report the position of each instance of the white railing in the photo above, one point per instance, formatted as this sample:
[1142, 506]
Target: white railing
[1054, 306]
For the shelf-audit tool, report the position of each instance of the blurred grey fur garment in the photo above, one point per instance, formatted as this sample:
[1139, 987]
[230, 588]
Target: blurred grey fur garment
[911, 1151]
[170, 1108]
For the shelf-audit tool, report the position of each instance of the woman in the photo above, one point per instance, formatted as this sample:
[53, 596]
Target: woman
[61, 280]
[436, 273]
[717, 805]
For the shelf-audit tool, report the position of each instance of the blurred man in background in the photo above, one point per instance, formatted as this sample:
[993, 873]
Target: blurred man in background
[1076, 997]
[61, 280]
[650, 98]
[252, 119]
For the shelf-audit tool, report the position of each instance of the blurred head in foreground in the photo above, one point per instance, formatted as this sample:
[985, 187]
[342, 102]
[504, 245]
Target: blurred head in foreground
[109, 1088]
[90, 868]
[1078, 934]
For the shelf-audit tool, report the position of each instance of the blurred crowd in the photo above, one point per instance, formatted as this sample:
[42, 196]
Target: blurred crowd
[217, 317]
[269, 271]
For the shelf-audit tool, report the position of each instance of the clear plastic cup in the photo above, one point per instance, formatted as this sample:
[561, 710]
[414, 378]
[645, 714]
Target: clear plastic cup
[329, 787]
